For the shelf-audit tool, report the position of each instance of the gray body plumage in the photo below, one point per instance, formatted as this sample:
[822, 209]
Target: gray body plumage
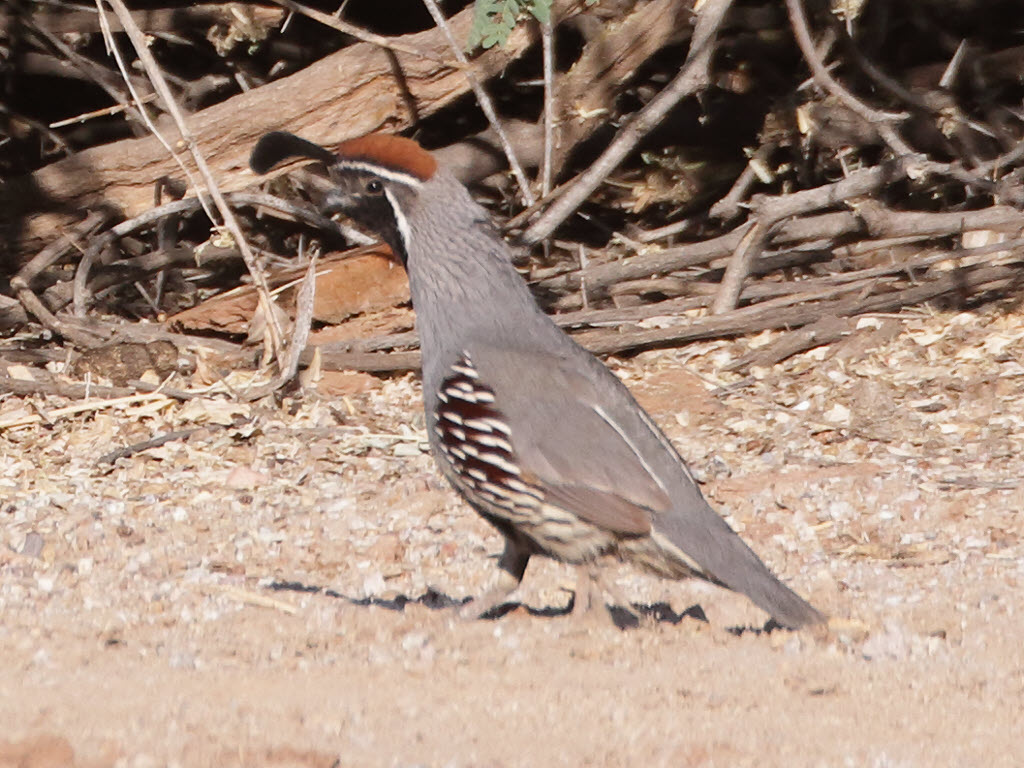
[533, 431]
[573, 423]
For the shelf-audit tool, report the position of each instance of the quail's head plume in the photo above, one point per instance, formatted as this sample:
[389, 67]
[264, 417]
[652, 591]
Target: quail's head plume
[534, 432]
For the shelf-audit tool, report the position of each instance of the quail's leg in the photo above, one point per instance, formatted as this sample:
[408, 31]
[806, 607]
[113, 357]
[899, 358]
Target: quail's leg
[511, 567]
[591, 589]
[588, 594]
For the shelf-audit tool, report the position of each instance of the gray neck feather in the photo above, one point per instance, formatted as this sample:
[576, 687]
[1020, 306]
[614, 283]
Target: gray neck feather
[464, 287]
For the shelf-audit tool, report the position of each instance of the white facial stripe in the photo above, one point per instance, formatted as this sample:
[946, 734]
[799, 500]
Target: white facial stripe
[385, 173]
[400, 220]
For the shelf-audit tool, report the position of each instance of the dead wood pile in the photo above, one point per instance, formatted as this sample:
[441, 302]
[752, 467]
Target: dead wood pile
[677, 174]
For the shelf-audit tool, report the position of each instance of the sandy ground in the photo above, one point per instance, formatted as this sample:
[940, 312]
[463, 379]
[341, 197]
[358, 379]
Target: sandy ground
[275, 590]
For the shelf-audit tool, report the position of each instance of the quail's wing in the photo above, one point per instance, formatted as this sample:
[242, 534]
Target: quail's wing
[564, 430]
[523, 420]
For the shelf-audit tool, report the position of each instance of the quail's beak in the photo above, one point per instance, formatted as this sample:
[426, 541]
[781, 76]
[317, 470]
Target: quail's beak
[335, 202]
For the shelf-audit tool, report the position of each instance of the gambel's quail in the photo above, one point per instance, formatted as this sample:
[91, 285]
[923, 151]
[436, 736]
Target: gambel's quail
[531, 429]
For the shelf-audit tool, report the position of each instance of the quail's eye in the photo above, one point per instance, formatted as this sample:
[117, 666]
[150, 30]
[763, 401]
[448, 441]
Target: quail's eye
[374, 186]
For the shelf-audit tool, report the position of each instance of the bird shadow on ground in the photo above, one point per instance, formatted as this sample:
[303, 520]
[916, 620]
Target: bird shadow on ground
[623, 618]
[766, 629]
[436, 601]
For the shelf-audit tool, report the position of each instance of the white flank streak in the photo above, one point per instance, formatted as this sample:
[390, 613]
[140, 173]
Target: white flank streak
[499, 425]
[499, 499]
[600, 412]
[494, 442]
[522, 499]
[400, 220]
[385, 173]
[451, 416]
[466, 371]
[499, 462]
[521, 490]
[458, 394]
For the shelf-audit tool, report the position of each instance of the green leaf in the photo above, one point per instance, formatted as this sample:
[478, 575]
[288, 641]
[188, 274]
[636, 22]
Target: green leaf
[482, 12]
[541, 10]
[494, 20]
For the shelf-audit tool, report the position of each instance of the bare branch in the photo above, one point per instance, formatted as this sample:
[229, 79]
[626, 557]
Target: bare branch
[359, 33]
[693, 76]
[228, 216]
[484, 100]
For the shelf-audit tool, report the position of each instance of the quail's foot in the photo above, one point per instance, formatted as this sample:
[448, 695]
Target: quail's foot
[591, 590]
[503, 586]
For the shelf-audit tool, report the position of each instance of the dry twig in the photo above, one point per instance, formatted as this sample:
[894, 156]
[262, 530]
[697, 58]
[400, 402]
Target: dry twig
[329, 20]
[227, 215]
[484, 101]
[693, 76]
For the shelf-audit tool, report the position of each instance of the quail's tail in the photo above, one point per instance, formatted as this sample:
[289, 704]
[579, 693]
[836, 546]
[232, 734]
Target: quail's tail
[707, 539]
[751, 577]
